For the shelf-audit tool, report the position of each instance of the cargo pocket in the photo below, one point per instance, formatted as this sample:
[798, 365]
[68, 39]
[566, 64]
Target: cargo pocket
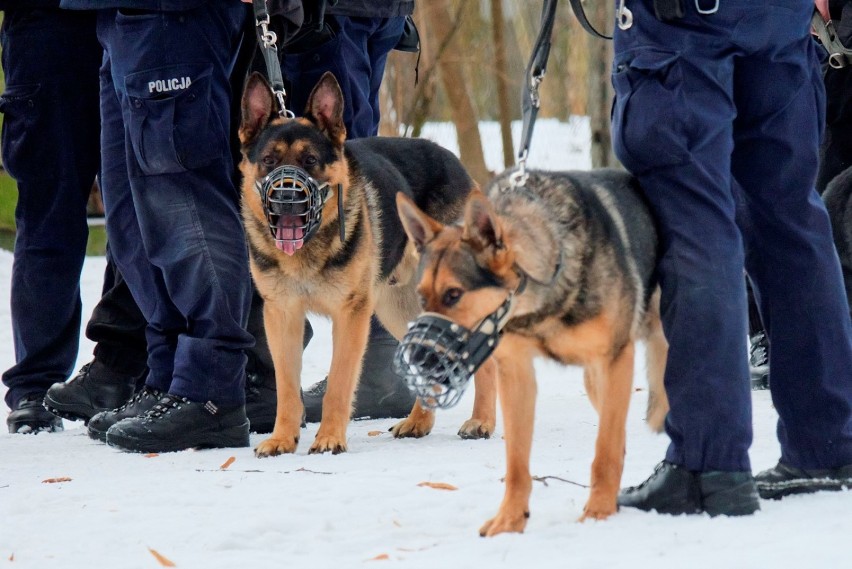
[25, 153]
[650, 112]
[172, 124]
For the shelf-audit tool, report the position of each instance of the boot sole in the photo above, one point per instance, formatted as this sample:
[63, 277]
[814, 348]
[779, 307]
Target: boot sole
[15, 426]
[71, 412]
[778, 490]
[232, 437]
[97, 435]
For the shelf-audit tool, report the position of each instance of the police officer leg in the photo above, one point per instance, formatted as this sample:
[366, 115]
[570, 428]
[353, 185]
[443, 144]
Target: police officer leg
[50, 146]
[672, 128]
[806, 317]
[194, 257]
[118, 368]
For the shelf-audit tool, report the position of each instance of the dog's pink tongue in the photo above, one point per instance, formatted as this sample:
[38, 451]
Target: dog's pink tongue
[289, 238]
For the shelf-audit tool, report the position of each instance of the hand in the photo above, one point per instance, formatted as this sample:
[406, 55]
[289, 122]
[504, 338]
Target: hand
[822, 6]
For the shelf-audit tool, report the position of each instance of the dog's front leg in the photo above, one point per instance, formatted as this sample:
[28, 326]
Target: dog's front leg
[284, 325]
[350, 328]
[613, 381]
[517, 388]
[484, 417]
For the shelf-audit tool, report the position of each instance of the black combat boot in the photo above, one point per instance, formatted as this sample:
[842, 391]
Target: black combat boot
[140, 403]
[783, 480]
[758, 361]
[95, 388]
[175, 423]
[672, 489]
[381, 393]
[29, 416]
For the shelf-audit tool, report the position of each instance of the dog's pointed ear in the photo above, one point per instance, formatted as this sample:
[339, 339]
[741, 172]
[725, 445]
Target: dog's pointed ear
[419, 227]
[325, 108]
[258, 108]
[481, 227]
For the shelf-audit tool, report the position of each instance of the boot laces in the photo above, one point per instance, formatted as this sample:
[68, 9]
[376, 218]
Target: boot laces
[166, 404]
[759, 352]
[657, 470]
[83, 374]
[319, 388]
[143, 393]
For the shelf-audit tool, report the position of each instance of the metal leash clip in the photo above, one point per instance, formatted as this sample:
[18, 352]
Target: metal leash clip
[838, 55]
[519, 177]
[269, 41]
[624, 16]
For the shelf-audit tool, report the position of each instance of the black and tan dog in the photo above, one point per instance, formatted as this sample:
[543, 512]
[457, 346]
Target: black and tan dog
[347, 275]
[586, 246]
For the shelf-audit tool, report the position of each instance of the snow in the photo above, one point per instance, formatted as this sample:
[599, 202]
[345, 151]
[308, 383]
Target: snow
[365, 508]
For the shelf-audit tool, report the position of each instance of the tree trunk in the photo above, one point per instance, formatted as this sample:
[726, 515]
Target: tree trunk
[455, 86]
[501, 76]
[600, 88]
[433, 49]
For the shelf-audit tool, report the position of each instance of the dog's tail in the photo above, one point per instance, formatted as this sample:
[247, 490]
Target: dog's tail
[656, 351]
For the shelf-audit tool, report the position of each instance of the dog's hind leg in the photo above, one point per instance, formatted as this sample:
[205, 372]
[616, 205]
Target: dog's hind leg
[613, 381]
[285, 325]
[350, 328]
[484, 417]
[656, 352]
[517, 388]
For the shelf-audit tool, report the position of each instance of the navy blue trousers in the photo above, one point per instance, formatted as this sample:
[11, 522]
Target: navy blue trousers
[50, 146]
[356, 54]
[171, 204]
[720, 117]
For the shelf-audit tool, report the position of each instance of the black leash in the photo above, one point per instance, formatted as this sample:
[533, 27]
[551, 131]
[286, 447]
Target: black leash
[530, 100]
[577, 6]
[267, 40]
[536, 68]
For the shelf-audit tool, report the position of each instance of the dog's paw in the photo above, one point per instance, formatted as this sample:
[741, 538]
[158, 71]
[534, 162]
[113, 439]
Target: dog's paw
[273, 446]
[476, 429]
[328, 443]
[598, 508]
[415, 428]
[505, 522]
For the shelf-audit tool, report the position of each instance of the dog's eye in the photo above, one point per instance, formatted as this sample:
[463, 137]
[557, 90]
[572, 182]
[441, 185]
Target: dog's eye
[452, 296]
[309, 160]
[268, 161]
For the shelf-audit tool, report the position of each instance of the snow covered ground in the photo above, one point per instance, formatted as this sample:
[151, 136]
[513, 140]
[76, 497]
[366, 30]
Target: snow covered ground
[69, 502]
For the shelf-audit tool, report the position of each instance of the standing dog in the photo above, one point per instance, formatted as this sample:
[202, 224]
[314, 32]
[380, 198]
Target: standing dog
[578, 251]
[340, 250]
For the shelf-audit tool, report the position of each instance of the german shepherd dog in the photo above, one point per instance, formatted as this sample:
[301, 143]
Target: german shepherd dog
[586, 246]
[345, 273]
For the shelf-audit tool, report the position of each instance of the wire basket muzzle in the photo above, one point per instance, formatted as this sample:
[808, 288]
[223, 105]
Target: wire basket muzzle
[293, 202]
[437, 358]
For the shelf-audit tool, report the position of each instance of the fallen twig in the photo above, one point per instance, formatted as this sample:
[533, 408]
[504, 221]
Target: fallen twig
[543, 480]
[252, 471]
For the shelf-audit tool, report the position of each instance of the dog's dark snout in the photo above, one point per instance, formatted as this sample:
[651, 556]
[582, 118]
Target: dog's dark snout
[286, 202]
